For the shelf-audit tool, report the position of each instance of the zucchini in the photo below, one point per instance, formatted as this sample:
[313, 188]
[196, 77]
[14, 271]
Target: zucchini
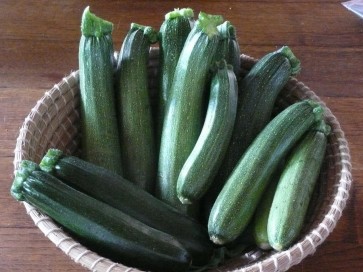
[228, 47]
[184, 116]
[99, 226]
[100, 141]
[260, 218]
[258, 91]
[131, 199]
[173, 33]
[237, 201]
[133, 104]
[295, 188]
[203, 162]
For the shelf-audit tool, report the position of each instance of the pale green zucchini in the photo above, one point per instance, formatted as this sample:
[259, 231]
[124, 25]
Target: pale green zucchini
[295, 188]
[203, 162]
[184, 114]
[99, 133]
[236, 203]
[137, 134]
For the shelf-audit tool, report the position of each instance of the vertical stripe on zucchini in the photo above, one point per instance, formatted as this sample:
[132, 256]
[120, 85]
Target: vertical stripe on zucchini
[295, 187]
[133, 105]
[100, 227]
[239, 197]
[100, 140]
[124, 195]
[184, 116]
[203, 162]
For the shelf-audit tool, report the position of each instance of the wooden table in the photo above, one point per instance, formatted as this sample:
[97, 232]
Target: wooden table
[39, 45]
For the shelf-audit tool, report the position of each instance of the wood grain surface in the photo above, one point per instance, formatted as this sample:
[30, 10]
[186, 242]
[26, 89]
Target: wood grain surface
[39, 45]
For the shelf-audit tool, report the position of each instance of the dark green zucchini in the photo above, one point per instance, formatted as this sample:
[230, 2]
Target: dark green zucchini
[203, 162]
[100, 139]
[137, 134]
[129, 198]
[184, 113]
[99, 226]
[237, 202]
[295, 188]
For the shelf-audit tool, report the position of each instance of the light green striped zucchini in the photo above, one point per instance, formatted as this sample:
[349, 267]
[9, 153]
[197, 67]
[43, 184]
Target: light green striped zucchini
[172, 35]
[203, 162]
[237, 202]
[184, 114]
[137, 132]
[99, 140]
[295, 188]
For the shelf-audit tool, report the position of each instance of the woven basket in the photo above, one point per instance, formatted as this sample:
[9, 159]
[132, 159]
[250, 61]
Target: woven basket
[54, 123]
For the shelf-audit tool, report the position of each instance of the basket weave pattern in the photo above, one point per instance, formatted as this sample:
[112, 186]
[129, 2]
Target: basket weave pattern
[54, 123]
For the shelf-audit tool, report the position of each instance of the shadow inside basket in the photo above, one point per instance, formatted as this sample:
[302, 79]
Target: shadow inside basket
[54, 123]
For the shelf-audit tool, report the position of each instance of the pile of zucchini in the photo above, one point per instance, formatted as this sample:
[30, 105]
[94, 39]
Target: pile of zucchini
[179, 184]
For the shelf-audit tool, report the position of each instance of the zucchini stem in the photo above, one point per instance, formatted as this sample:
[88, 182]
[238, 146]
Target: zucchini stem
[25, 169]
[227, 30]
[317, 110]
[294, 61]
[208, 23]
[184, 12]
[50, 160]
[322, 127]
[149, 32]
[94, 26]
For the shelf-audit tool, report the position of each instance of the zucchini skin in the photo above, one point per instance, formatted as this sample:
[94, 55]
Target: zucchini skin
[258, 91]
[99, 141]
[103, 228]
[203, 162]
[122, 194]
[184, 115]
[172, 36]
[237, 201]
[136, 128]
[295, 188]
[260, 218]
